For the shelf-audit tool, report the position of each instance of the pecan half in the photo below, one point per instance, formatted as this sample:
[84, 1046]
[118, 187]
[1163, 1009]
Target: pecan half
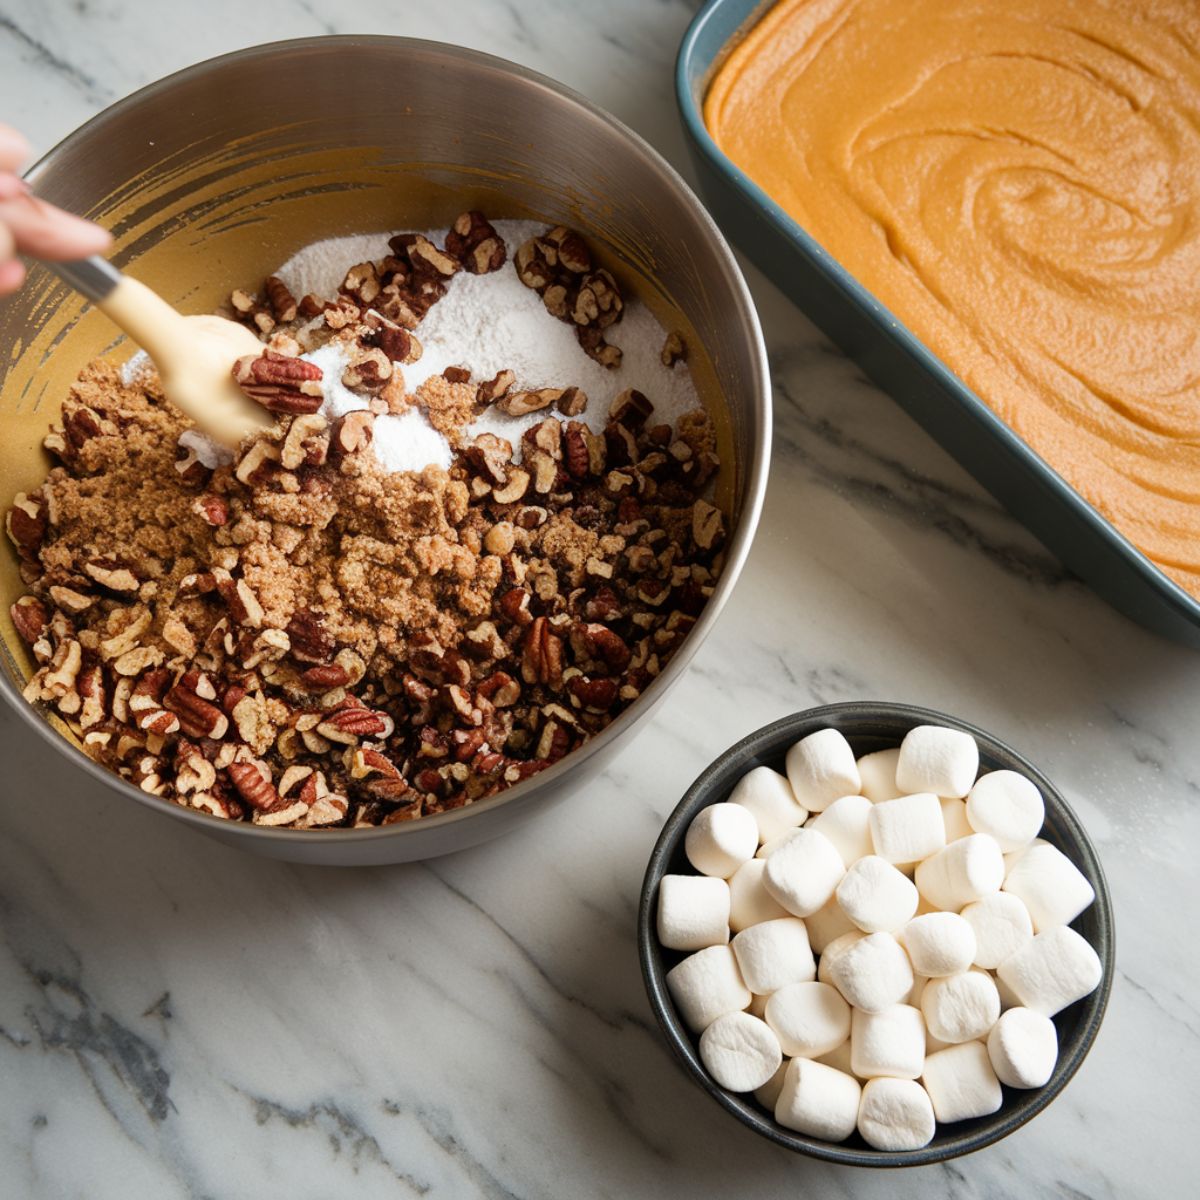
[475, 243]
[542, 657]
[29, 617]
[280, 383]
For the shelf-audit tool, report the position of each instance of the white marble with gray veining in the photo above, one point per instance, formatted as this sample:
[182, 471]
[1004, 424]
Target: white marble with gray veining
[177, 1020]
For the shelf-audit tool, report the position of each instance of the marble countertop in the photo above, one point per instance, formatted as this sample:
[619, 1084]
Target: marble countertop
[180, 1020]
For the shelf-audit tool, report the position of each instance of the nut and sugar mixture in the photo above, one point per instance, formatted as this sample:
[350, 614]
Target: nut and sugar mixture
[300, 636]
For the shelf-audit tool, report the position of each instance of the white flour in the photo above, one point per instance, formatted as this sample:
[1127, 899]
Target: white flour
[490, 323]
[486, 323]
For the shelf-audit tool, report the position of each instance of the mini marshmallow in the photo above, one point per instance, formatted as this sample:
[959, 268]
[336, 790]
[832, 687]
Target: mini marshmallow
[875, 896]
[964, 871]
[958, 1008]
[826, 924]
[769, 1092]
[914, 995]
[907, 829]
[834, 950]
[846, 823]
[1051, 886]
[839, 1056]
[740, 1052]
[1023, 1047]
[769, 847]
[891, 1043]
[720, 838]
[1053, 969]
[1010, 859]
[693, 912]
[1007, 806]
[821, 768]
[773, 954]
[707, 985]
[749, 900]
[803, 873]
[1002, 926]
[818, 1100]
[961, 1083]
[873, 973]
[878, 774]
[939, 760]
[895, 1114]
[768, 797]
[939, 944]
[810, 1019]
[954, 817]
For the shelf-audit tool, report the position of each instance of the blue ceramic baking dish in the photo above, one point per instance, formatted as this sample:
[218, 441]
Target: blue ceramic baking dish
[931, 393]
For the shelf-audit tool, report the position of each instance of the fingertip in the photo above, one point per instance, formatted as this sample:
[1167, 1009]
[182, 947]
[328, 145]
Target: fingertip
[12, 275]
[14, 149]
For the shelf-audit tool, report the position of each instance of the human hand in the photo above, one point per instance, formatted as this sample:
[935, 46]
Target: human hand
[31, 226]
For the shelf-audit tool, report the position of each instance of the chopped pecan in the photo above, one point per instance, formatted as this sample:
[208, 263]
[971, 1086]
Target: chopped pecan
[355, 431]
[211, 508]
[29, 617]
[254, 785]
[542, 658]
[492, 389]
[674, 349]
[475, 243]
[368, 371]
[491, 456]
[520, 404]
[630, 409]
[280, 298]
[26, 523]
[708, 525]
[597, 694]
[199, 716]
[596, 347]
[347, 725]
[310, 642]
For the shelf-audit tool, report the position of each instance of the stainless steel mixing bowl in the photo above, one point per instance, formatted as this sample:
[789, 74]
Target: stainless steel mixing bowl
[212, 177]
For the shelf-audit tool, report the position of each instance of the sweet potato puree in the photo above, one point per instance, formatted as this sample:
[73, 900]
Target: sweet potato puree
[1019, 182]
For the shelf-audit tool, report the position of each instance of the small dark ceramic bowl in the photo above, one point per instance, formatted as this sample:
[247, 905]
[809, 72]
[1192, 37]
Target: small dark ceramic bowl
[870, 726]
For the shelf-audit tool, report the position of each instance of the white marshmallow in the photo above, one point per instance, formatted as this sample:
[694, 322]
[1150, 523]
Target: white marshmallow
[1002, 926]
[873, 973]
[720, 838]
[769, 847]
[810, 1019]
[839, 1056]
[740, 1052]
[938, 944]
[907, 829]
[1008, 998]
[1007, 806]
[821, 768]
[818, 1100]
[964, 871]
[1051, 886]
[954, 817]
[878, 774]
[773, 954]
[875, 896]
[803, 873]
[826, 924]
[846, 823]
[895, 1114]
[707, 985]
[891, 1042]
[936, 759]
[749, 900]
[1052, 970]
[769, 798]
[961, 1083]
[693, 912]
[1023, 1047]
[914, 994]
[1010, 859]
[834, 950]
[958, 1008]
[769, 1092]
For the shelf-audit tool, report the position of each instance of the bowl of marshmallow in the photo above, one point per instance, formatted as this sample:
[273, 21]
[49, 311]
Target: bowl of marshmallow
[876, 935]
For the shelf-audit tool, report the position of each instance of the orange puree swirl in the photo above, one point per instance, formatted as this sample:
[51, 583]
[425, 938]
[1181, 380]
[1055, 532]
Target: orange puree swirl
[1019, 182]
